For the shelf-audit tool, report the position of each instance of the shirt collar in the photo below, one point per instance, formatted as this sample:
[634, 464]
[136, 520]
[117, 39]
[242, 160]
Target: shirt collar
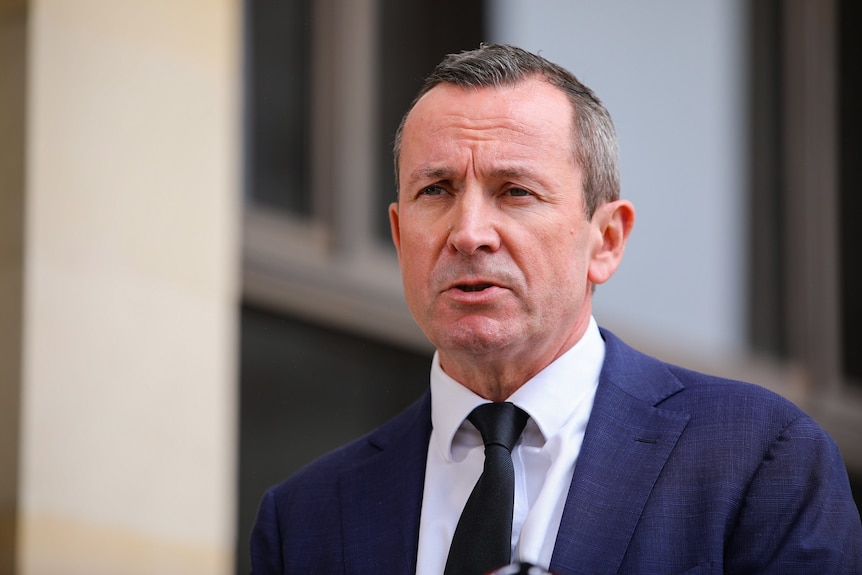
[550, 397]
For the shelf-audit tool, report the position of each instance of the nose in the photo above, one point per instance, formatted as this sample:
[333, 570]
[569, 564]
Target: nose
[473, 225]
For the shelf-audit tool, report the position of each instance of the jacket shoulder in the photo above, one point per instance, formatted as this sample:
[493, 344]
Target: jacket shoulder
[300, 521]
[670, 386]
[413, 423]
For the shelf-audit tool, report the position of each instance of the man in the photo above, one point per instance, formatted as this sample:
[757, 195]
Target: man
[508, 215]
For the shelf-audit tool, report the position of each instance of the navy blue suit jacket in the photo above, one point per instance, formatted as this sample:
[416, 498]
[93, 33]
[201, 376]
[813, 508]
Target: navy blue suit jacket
[679, 472]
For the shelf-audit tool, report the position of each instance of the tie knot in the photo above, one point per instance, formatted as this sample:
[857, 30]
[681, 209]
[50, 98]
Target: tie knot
[499, 423]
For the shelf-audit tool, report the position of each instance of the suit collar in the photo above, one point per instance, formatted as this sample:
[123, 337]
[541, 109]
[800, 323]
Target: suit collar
[550, 397]
[627, 442]
[641, 376]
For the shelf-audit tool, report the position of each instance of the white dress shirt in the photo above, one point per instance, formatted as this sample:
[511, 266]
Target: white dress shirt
[558, 400]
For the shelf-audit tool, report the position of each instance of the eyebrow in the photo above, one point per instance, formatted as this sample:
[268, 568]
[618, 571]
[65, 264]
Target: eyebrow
[428, 172]
[512, 172]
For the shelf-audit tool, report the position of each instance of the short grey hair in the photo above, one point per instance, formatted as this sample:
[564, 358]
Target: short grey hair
[498, 65]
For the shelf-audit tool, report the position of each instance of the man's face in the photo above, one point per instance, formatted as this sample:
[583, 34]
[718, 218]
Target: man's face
[492, 237]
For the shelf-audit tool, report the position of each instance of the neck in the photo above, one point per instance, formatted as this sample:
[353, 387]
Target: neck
[497, 375]
[492, 382]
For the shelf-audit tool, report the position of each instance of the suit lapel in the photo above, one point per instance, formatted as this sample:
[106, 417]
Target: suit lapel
[381, 497]
[627, 442]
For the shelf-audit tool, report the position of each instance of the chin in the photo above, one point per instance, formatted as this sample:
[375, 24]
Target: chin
[475, 340]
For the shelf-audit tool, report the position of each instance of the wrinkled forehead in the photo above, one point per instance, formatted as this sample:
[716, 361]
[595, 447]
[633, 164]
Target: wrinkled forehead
[518, 119]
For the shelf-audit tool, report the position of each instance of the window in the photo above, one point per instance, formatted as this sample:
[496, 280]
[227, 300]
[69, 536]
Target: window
[850, 142]
[327, 84]
[278, 76]
[805, 277]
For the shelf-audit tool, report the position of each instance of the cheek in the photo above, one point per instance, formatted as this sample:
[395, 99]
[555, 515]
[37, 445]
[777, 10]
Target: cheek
[416, 262]
[563, 262]
[423, 243]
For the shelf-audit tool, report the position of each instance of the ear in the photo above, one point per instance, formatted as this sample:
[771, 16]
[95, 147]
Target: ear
[612, 223]
[395, 226]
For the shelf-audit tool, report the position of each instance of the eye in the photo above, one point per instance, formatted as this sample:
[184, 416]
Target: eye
[434, 190]
[518, 192]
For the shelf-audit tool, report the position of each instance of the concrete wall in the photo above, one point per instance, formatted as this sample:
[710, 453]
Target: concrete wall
[127, 449]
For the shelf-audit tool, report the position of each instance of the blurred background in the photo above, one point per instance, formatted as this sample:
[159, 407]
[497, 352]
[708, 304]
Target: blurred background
[195, 261]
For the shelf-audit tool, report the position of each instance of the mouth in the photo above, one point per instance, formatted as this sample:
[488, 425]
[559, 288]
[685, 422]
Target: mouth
[473, 287]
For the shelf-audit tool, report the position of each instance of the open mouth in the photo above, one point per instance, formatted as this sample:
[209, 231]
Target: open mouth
[473, 287]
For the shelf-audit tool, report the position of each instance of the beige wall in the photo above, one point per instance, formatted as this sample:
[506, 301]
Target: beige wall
[128, 431]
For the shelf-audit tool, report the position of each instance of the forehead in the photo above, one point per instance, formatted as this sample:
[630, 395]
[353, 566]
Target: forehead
[531, 120]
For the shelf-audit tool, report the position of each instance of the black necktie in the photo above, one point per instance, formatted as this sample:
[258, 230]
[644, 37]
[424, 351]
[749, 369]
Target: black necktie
[483, 538]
